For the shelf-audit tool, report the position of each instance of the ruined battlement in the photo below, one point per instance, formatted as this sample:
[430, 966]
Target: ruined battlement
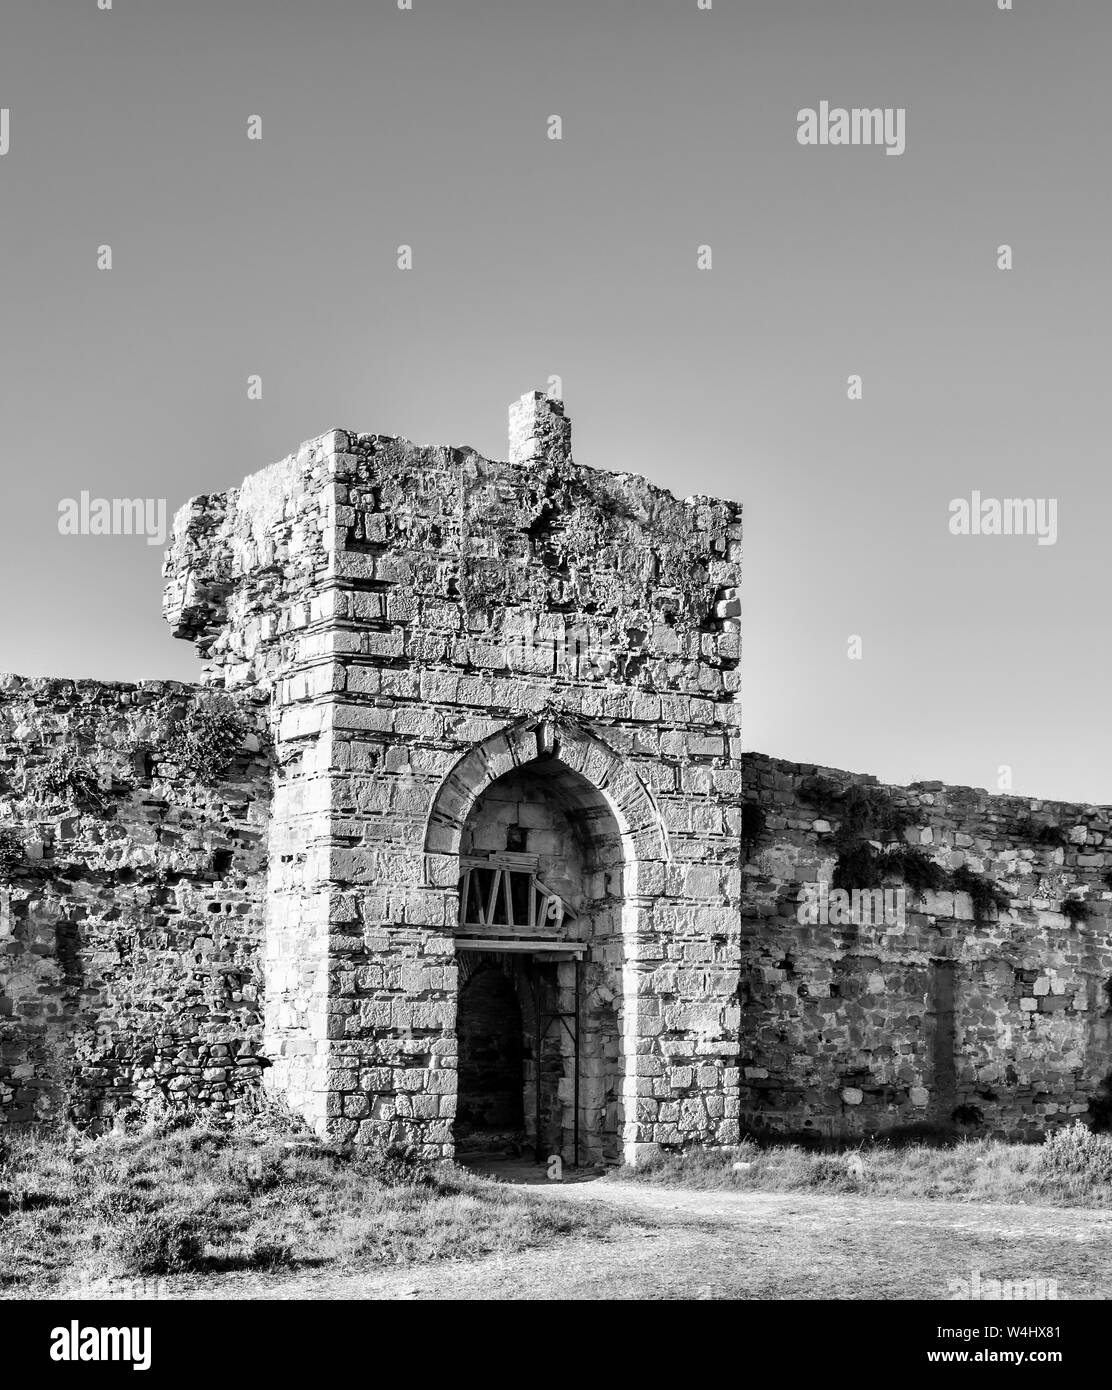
[440, 557]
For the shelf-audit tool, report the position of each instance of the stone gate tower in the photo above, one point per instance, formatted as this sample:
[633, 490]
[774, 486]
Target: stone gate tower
[503, 884]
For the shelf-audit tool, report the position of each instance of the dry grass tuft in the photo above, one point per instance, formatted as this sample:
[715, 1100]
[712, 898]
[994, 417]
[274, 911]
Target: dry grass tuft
[1072, 1168]
[165, 1199]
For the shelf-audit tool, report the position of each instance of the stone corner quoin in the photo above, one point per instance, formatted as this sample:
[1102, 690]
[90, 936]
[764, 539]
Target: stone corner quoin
[487, 854]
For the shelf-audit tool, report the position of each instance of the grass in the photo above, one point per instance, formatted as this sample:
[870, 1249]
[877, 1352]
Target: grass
[1072, 1168]
[163, 1201]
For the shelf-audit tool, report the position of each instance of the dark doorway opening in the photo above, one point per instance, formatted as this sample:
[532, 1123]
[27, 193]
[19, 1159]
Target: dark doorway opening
[518, 1090]
[490, 1110]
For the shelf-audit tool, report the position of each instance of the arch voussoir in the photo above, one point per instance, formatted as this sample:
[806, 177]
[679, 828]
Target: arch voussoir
[568, 743]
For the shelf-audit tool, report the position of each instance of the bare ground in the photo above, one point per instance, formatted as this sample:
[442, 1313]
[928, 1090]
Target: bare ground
[670, 1243]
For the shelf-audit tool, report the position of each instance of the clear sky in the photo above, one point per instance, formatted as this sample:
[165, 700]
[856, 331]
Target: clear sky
[577, 257]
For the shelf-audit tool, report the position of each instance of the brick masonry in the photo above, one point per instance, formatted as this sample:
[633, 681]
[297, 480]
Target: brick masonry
[437, 653]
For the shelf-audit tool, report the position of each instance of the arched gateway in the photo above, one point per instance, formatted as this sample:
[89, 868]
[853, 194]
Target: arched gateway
[545, 832]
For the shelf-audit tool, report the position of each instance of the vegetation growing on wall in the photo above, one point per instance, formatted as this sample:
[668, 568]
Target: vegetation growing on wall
[986, 895]
[206, 742]
[863, 812]
[1076, 909]
[868, 816]
[71, 778]
[1041, 833]
[862, 865]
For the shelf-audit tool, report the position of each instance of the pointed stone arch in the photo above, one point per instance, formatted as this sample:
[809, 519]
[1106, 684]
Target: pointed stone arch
[599, 785]
[548, 737]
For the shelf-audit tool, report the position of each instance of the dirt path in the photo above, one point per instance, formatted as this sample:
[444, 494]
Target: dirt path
[672, 1243]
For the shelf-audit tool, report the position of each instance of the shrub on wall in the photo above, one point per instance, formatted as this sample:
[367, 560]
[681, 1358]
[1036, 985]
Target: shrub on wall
[867, 816]
[206, 741]
[858, 866]
[73, 779]
[1045, 833]
[1076, 909]
[985, 894]
[918, 870]
[863, 813]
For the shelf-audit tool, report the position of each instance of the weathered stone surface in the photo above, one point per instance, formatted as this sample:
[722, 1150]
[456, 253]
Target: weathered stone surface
[1007, 1017]
[131, 922]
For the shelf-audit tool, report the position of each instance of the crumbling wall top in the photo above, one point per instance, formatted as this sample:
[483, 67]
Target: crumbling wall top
[436, 542]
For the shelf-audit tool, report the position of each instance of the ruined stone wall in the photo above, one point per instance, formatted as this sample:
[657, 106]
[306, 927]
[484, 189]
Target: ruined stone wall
[251, 579]
[1002, 1013]
[430, 647]
[132, 879]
